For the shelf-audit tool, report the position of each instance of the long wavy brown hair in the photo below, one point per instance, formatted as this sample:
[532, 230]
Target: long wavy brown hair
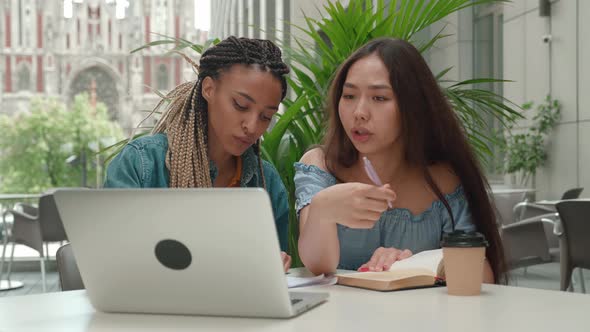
[429, 126]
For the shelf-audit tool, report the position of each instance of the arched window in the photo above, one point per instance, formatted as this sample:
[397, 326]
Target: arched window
[162, 77]
[23, 78]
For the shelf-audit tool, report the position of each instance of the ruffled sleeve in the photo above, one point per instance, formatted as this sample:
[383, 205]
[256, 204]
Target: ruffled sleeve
[309, 180]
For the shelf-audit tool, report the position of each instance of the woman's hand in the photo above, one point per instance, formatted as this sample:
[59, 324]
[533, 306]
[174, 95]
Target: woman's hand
[383, 258]
[286, 260]
[356, 205]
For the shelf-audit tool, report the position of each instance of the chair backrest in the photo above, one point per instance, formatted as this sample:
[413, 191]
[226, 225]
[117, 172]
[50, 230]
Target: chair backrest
[27, 208]
[505, 203]
[572, 193]
[575, 220]
[69, 275]
[26, 230]
[525, 245]
[52, 228]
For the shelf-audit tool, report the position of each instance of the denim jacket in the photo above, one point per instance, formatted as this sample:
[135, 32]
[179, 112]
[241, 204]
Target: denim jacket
[142, 164]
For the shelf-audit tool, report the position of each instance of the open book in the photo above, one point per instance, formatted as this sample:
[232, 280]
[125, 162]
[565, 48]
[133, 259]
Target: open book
[420, 270]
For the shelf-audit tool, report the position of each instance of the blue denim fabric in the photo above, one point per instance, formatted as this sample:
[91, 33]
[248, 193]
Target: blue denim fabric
[142, 164]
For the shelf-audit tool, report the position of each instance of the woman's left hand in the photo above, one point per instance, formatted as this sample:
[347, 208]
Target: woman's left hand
[286, 260]
[383, 258]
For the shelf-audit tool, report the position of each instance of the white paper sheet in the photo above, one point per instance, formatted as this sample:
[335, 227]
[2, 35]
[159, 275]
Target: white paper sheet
[293, 282]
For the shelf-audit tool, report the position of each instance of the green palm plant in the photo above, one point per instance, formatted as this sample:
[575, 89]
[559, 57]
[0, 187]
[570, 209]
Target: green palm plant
[327, 42]
[334, 37]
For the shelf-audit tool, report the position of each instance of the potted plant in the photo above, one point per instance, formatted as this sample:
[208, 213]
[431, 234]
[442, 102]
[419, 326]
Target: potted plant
[328, 43]
[525, 152]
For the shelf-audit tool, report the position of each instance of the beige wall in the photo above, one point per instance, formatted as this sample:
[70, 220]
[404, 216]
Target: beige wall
[536, 68]
[558, 68]
[456, 50]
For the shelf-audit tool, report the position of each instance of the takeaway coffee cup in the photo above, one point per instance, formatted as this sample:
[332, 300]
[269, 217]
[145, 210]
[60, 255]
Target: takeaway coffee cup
[463, 257]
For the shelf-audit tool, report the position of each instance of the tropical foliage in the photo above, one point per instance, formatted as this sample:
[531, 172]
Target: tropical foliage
[35, 146]
[327, 42]
[525, 151]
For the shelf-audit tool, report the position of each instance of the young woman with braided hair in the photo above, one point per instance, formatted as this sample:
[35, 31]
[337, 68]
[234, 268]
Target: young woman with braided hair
[209, 134]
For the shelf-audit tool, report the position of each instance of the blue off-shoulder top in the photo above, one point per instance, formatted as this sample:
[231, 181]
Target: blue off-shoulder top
[397, 228]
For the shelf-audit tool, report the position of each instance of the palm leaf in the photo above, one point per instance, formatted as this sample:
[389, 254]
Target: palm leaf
[154, 43]
[332, 38]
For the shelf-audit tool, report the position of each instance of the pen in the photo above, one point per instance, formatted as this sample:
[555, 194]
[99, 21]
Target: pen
[374, 177]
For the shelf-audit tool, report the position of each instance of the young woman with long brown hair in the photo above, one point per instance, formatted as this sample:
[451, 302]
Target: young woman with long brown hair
[386, 105]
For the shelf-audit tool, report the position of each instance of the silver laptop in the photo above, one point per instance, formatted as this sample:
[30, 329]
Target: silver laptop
[180, 251]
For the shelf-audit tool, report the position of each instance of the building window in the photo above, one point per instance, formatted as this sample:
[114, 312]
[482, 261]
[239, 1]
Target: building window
[256, 15]
[286, 23]
[245, 22]
[236, 20]
[160, 18]
[488, 63]
[271, 20]
[20, 23]
[28, 23]
[162, 77]
[23, 78]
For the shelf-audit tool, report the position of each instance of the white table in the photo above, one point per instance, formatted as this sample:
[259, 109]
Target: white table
[504, 191]
[499, 308]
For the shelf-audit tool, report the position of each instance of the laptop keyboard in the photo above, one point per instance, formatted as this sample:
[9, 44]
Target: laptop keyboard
[295, 301]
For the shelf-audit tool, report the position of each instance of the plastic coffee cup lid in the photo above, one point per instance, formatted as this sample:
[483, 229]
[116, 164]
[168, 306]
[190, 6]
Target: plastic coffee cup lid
[462, 239]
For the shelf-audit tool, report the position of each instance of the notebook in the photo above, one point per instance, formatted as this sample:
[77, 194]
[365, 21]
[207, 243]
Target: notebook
[424, 269]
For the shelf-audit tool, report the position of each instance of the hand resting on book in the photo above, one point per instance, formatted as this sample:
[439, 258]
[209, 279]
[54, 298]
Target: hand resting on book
[383, 258]
[420, 270]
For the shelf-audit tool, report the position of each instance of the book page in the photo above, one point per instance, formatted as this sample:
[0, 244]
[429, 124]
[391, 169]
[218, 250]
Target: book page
[429, 259]
[391, 275]
[390, 280]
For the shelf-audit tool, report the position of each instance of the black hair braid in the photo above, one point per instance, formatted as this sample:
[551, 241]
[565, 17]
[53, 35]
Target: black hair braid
[187, 114]
[247, 51]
